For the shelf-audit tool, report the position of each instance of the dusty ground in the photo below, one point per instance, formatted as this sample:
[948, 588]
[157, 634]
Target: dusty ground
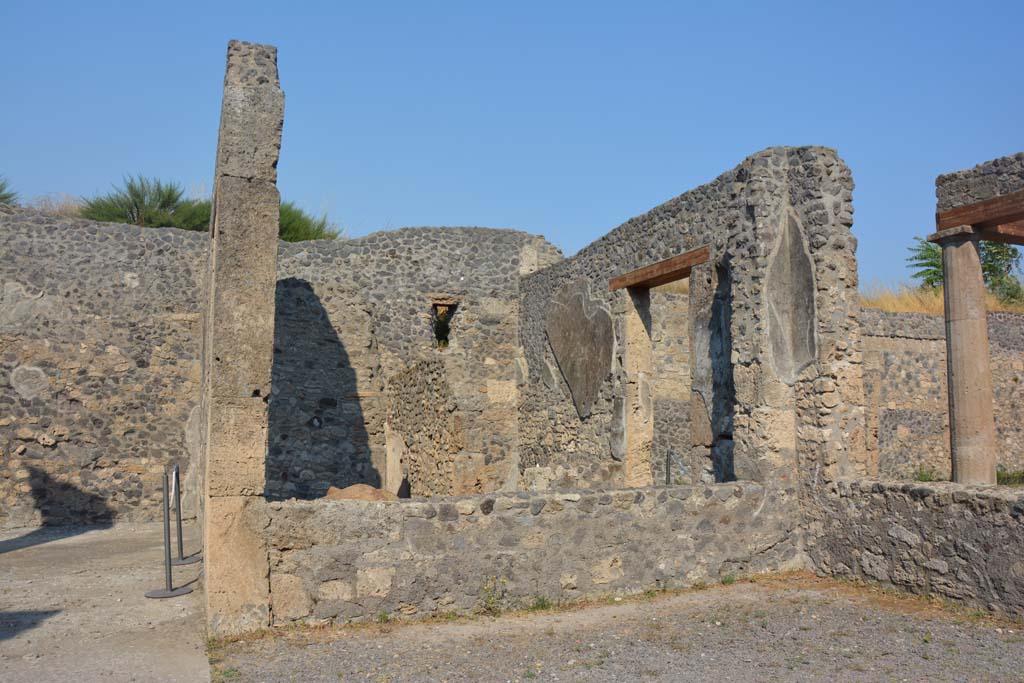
[72, 608]
[796, 628]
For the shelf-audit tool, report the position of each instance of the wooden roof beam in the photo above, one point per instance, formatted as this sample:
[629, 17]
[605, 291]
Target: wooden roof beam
[662, 272]
[991, 213]
[1009, 233]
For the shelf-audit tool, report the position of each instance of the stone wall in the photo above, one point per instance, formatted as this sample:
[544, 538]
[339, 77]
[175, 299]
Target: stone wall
[99, 359]
[670, 341]
[938, 539]
[385, 286]
[769, 364]
[99, 371]
[353, 560]
[905, 391]
[425, 430]
[326, 405]
[984, 181]
[99, 351]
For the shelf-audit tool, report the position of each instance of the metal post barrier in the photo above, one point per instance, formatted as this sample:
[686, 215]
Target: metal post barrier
[670, 458]
[168, 591]
[181, 559]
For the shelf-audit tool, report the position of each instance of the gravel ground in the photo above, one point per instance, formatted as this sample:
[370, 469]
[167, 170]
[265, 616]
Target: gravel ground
[72, 608]
[794, 628]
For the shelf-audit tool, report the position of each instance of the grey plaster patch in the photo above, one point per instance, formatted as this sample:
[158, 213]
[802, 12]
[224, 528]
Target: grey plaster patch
[579, 330]
[19, 308]
[29, 381]
[791, 307]
[193, 432]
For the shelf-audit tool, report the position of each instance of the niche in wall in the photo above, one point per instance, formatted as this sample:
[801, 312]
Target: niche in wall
[442, 313]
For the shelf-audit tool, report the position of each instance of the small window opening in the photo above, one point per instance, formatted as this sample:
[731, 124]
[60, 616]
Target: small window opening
[442, 316]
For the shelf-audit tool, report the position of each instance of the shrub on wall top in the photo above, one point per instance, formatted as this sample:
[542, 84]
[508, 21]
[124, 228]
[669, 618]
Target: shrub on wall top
[7, 195]
[153, 203]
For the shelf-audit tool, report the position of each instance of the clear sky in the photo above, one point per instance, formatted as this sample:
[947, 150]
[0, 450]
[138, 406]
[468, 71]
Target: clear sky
[560, 118]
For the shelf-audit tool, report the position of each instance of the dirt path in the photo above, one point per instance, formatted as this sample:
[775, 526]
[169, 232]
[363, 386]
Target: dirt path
[794, 629]
[72, 608]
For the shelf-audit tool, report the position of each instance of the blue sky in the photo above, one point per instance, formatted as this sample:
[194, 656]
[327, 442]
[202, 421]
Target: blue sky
[560, 118]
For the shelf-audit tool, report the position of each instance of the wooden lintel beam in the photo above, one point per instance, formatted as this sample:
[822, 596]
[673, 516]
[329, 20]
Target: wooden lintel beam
[1009, 233]
[662, 272]
[989, 213]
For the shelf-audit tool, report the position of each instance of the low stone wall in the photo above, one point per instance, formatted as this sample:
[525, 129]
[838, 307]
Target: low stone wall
[943, 539]
[353, 560]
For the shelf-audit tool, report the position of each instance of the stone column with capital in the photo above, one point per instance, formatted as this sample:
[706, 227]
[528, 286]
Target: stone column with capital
[969, 378]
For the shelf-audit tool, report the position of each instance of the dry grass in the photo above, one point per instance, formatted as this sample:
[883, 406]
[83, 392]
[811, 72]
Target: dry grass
[907, 299]
[1010, 478]
[59, 203]
[675, 287]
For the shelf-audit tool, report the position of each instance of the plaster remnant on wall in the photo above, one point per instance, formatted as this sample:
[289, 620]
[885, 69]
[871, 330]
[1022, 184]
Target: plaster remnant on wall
[19, 309]
[791, 307]
[579, 329]
[30, 382]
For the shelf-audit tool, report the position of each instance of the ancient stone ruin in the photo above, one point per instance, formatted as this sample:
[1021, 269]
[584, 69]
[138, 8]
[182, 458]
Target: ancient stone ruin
[571, 427]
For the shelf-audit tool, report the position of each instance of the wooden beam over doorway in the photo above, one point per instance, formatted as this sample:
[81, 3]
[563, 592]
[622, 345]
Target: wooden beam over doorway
[662, 272]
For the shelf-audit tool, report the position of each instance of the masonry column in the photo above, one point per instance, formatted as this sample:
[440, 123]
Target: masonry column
[969, 378]
[639, 359]
[238, 340]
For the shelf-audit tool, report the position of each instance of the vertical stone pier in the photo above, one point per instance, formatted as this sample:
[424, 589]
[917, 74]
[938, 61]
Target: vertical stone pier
[238, 340]
[639, 362]
[972, 428]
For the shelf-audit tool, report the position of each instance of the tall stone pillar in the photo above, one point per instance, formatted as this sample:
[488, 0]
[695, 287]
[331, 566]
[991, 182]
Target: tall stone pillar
[639, 361]
[969, 378]
[238, 339]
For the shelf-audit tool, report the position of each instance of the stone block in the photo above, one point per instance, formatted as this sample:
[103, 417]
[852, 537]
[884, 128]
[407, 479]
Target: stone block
[252, 113]
[336, 589]
[374, 582]
[236, 567]
[289, 599]
[236, 449]
[502, 391]
[244, 272]
[252, 118]
[607, 570]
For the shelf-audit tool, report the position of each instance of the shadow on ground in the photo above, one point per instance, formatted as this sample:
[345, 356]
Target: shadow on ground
[59, 503]
[13, 623]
